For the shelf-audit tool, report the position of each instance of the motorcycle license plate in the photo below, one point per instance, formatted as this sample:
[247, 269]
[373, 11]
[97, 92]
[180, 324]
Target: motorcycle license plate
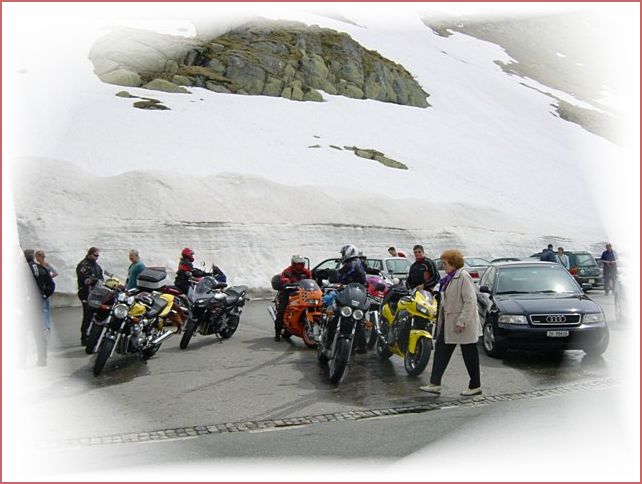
[557, 334]
[591, 281]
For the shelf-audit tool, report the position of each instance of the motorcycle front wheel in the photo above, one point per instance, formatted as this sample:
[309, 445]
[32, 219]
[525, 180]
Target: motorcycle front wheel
[230, 327]
[104, 351]
[92, 338]
[337, 365]
[308, 335]
[416, 362]
[190, 327]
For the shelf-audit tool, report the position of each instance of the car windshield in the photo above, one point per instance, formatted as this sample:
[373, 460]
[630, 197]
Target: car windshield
[439, 263]
[585, 260]
[374, 264]
[540, 279]
[398, 265]
[476, 262]
[328, 264]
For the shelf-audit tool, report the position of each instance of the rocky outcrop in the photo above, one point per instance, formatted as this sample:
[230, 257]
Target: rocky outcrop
[286, 59]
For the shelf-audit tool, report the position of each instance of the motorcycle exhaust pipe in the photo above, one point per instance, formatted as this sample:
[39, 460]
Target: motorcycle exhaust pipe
[272, 313]
[162, 337]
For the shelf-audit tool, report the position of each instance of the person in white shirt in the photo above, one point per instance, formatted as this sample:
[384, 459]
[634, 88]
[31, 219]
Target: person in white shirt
[562, 258]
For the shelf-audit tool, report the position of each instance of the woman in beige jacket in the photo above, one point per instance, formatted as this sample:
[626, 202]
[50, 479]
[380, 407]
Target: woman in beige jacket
[457, 324]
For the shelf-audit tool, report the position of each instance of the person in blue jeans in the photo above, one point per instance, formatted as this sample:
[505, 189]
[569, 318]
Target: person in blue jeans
[609, 268]
[41, 260]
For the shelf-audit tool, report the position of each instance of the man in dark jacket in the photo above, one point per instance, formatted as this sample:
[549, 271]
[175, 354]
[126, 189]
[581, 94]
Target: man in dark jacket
[609, 268]
[548, 255]
[423, 273]
[352, 269]
[88, 273]
[295, 272]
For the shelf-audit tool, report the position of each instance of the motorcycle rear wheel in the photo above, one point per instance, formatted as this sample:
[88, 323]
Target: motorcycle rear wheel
[416, 362]
[190, 327]
[337, 365]
[104, 351]
[230, 327]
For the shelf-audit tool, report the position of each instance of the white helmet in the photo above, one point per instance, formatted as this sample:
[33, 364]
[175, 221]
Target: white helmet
[297, 259]
[348, 252]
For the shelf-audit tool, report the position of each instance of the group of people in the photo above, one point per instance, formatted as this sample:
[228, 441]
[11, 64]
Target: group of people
[608, 259]
[457, 322]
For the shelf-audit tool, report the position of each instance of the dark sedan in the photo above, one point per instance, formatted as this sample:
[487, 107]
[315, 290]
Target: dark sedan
[538, 305]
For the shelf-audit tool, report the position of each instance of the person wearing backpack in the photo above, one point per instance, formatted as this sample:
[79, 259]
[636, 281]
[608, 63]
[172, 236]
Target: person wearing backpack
[43, 263]
[46, 286]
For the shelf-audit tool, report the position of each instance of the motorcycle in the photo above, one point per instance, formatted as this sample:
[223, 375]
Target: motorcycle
[303, 312]
[338, 327]
[135, 326]
[155, 279]
[377, 287]
[214, 310]
[101, 299]
[405, 330]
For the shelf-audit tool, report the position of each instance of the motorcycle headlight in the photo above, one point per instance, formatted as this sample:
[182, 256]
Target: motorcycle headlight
[422, 309]
[121, 297]
[200, 301]
[120, 311]
[346, 311]
[357, 314]
[512, 319]
[594, 318]
[313, 302]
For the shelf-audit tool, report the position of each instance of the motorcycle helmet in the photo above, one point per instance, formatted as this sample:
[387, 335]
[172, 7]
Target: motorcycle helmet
[298, 261]
[362, 256]
[188, 254]
[348, 252]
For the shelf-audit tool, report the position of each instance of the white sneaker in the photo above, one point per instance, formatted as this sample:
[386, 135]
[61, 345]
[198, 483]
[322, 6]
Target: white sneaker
[430, 388]
[471, 391]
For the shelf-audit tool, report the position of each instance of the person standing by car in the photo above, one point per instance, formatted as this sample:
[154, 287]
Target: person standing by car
[562, 258]
[395, 253]
[88, 272]
[457, 324]
[610, 268]
[295, 272]
[135, 268]
[423, 273]
[548, 255]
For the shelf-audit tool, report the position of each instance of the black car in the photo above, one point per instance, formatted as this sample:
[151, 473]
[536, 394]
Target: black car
[538, 305]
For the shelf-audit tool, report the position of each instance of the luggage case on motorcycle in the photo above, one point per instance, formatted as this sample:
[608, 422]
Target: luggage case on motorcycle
[152, 278]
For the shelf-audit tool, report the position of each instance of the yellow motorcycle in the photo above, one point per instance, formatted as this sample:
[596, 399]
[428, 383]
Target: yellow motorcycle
[405, 329]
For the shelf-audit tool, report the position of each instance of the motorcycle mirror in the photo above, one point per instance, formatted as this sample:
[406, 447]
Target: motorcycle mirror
[395, 281]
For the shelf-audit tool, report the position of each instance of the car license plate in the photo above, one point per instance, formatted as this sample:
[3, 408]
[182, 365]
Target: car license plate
[591, 281]
[557, 334]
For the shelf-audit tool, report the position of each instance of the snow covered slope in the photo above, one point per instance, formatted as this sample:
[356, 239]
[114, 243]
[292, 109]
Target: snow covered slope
[240, 179]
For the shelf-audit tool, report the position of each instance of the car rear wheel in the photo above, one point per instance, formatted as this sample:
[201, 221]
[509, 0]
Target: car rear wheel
[490, 344]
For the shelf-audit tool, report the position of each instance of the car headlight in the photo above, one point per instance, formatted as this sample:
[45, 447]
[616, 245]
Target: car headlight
[357, 314]
[346, 311]
[582, 272]
[512, 319]
[591, 318]
[120, 311]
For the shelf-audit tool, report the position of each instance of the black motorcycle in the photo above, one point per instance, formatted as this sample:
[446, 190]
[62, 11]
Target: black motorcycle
[339, 326]
[214, 310]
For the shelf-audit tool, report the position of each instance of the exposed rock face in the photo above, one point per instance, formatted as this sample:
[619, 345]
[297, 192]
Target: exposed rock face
[287, 59]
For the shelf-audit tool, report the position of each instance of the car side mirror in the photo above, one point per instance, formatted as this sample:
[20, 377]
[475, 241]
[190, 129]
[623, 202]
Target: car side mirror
[484, 289]
[587, 287]
[333, 276]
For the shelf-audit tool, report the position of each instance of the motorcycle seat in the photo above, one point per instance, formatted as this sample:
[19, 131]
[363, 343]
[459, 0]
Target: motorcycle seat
[157, 307]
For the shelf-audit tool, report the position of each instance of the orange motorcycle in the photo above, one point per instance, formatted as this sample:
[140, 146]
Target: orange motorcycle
[303, 312]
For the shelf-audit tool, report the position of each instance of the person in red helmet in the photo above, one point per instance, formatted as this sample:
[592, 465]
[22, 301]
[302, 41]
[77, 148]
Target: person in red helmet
[186, 270]
[295, 272]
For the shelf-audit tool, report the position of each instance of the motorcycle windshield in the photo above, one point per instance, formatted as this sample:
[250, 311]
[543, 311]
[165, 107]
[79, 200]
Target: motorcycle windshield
[205, 287]
[308, 285]
[353, 295]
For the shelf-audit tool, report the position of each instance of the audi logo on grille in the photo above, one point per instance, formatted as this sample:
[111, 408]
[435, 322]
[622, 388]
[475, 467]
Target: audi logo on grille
[556, 318]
